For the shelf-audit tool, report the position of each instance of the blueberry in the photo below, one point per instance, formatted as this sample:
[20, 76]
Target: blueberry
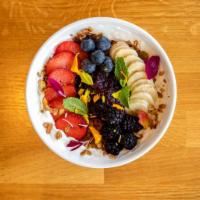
[98, 57]
[87, 45]
[88, 66]
[103, 44]
[107, 65]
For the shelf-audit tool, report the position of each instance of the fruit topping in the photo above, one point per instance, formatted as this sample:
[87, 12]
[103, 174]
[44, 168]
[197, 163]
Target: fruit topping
[87, 45]
[103, 44]
[114, 116]
[61, 60]
[98, 57]
[129, 141]
[112, 147]
[88, 66]
[131, 124]
[110, 132]
[62, 76]
[107, 65]
[144, 119]
[56, 103]
[73, 125]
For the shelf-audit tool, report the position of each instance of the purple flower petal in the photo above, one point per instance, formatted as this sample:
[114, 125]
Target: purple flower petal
[76, 147]
[56, 86]
[74, 143]
[151, 67]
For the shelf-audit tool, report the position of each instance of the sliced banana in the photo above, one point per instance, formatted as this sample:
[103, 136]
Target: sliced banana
[146, 88]
[135, 67]
[131, 59]
[143, 92]
[138, 105]
[136, 76]
[142, 95]
[116, 47]
[140, 82]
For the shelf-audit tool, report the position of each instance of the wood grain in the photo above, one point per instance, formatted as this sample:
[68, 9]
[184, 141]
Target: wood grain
[28, 170]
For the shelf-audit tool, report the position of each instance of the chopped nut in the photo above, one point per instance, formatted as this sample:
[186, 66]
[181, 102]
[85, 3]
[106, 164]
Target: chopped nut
[61, 111]
[45, 104]
[41, 84]
[85, 152]
[160, 95]
[58, 135]
[161, 72]
[165, 81]
[48, 127]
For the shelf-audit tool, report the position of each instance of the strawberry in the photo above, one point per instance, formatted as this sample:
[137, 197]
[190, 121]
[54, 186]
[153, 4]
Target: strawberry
[144, 119]
[62, 76]
[68, 46]
[61, 60]
[73, 125]
[50, 93]
[73, 47]
[56, 103]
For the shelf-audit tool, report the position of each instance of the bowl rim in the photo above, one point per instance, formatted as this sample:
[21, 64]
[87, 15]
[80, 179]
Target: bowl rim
[171, 111]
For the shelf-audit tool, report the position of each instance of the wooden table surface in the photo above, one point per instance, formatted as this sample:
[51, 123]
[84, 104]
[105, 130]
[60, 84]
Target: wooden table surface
[29, 170]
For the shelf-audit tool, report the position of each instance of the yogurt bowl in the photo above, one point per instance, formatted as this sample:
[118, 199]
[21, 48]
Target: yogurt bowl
[114, 29]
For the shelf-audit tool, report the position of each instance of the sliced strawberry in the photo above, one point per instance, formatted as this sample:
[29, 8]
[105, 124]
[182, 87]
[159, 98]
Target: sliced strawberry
[50, 93]
[73, 125]
[62, 76]
[73, 47]
[69, 90]
[56, 103]
[61, 60]
[68, 46]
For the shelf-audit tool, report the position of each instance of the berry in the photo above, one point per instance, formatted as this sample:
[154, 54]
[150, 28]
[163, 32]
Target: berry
[98, 109]
[129, 141]
[103, 44]
[87, 45]
[114, 116]
[77, 82]
[71, 46]
[98, 57]
[61, 60]
[112, 147]
[62, 76]
[110, 132]
[73, 125]
[50, 93]
[130, 124]
[56, 103]
[99, 81]
[88, 66]
[68, 46]
[107, 65]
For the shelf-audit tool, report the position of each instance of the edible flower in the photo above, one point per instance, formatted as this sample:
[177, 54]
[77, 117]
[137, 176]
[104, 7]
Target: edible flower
[85, 98]
[97, 136]
[119, 107]
[96, 98]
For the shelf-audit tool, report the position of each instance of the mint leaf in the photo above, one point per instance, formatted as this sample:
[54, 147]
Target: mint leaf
[121, 71]
[75, 105]
[123, 96]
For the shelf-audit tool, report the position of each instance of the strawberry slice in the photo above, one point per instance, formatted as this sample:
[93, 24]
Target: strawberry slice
[68, 46]
[61, 60]
[73, 125]
[56, 103]
[50, 93]
[62, 76]
[73, 47]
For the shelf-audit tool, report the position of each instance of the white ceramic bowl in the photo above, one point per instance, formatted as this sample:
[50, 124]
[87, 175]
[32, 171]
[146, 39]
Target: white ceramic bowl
[117, 29]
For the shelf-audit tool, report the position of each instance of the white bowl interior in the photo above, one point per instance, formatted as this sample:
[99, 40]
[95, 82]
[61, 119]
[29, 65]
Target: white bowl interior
[115, 29]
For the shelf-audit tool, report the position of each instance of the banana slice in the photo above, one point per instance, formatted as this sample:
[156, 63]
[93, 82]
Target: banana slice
[125, 52]
[134, 67]
[136, 76]
[116, 47]
[131, 59]
[146, 88]
[142, 81]
[138, 105]
[142, 95]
